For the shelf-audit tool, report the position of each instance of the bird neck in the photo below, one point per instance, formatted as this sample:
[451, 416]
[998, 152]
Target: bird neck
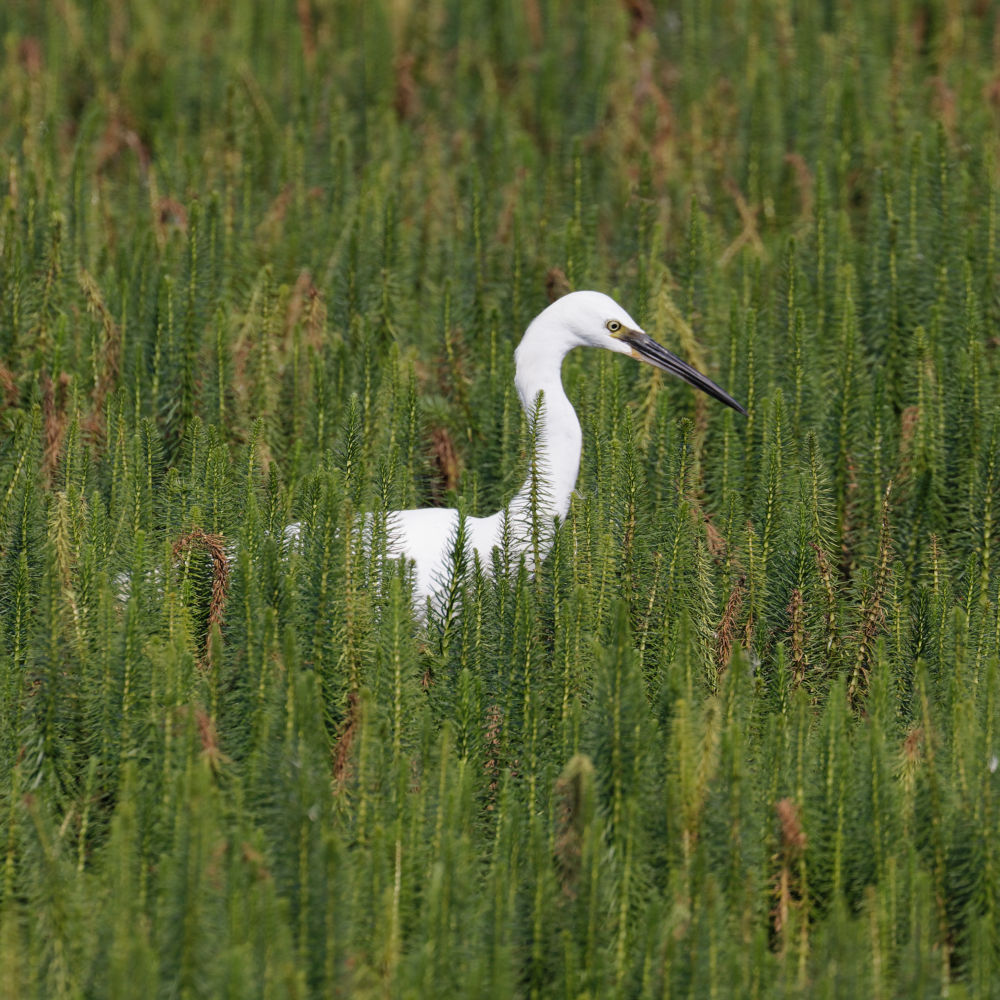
[555, 462]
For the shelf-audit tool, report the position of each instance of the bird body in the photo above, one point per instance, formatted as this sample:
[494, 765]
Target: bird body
[427, 536]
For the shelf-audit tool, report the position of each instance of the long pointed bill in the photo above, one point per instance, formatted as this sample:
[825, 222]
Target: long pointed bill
[644, 348]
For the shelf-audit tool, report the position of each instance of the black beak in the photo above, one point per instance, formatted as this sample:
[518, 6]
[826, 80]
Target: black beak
[646, 349]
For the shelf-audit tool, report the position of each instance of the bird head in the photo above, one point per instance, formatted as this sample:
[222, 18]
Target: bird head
[593, 319]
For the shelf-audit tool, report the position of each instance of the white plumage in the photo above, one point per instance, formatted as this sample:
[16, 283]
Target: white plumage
[427, 536]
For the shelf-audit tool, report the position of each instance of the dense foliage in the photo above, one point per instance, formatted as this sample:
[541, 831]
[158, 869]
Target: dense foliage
[268, 262]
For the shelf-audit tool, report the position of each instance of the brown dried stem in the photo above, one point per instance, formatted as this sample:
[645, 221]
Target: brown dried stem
[215, 547]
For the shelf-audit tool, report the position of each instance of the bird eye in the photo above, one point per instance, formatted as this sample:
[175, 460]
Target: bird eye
[613, 325]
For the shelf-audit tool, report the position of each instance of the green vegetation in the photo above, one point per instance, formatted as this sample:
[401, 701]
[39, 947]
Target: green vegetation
[269, 262]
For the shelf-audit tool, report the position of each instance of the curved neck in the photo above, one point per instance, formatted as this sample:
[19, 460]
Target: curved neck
[557, 436]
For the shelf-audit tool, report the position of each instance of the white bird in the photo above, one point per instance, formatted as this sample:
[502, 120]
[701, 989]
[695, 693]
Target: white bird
[426, 536]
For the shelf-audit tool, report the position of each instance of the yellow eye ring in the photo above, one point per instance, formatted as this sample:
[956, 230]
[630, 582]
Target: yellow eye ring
[613, 325]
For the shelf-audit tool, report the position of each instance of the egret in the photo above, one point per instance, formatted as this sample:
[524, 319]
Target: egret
[426, 536]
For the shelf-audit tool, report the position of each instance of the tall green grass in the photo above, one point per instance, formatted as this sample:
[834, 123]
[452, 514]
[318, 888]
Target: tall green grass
[269, 262]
